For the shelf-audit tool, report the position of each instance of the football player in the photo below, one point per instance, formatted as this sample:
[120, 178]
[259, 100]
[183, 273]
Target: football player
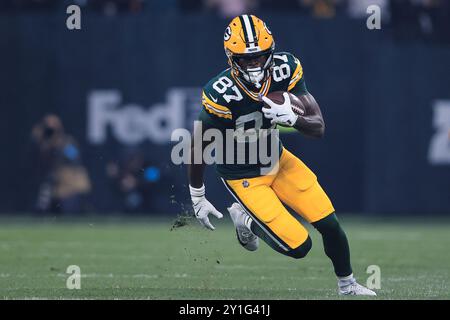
[236, 99]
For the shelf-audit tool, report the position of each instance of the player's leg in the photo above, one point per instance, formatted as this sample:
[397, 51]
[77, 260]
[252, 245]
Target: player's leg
[248, 232]
[335, 244]
[297, 186]
[270, 220]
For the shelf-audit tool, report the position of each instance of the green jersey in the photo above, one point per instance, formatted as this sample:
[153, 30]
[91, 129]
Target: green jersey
[228, 104]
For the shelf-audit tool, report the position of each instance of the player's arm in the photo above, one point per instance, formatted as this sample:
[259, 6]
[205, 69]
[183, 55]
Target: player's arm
[210, 117]
[311, 123]
[202, 207]
[196, 170]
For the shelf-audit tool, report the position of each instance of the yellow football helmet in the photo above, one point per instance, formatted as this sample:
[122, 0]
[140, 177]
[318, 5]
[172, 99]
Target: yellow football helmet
[249, 46]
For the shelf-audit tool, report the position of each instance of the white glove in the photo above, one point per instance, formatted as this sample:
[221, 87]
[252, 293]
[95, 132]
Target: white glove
[280, 113]
[203, 207]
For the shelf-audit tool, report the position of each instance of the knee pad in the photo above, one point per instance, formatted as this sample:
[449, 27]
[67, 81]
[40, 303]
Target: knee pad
[302, 250]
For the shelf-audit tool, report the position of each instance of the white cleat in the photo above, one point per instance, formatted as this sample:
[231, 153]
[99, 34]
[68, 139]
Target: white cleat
[245, 236]
[355, 289]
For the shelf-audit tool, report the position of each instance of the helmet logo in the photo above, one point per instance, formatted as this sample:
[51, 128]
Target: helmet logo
[267, 29]
[227, 34]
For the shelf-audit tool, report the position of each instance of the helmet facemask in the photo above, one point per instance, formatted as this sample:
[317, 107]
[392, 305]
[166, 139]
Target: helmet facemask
[252, 68]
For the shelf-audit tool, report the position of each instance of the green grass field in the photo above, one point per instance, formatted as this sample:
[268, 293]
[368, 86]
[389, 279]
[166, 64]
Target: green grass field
[143, 259]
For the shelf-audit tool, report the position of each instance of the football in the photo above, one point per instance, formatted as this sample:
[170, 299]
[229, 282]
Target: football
[297, 104]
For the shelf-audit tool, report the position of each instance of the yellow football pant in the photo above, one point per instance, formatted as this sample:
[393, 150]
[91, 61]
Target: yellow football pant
[294, 185]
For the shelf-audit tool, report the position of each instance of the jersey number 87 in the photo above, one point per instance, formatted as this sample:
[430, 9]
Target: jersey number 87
[221, 87]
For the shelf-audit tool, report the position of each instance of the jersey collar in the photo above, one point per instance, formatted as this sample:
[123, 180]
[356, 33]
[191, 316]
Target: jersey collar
[254, 95]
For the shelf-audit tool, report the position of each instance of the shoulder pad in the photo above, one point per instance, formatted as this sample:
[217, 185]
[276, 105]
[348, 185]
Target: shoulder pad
[295, 66]
[212, 100]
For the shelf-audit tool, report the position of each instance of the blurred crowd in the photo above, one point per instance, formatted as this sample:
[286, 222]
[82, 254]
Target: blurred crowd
[426, 19]
[134, 180]
[63, 182]
[231, 8]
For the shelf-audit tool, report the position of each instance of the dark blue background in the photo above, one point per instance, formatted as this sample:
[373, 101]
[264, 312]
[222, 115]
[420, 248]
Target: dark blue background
[376, 96]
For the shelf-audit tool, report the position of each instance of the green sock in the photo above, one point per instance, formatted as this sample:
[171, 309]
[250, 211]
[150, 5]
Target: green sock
[335, 244]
